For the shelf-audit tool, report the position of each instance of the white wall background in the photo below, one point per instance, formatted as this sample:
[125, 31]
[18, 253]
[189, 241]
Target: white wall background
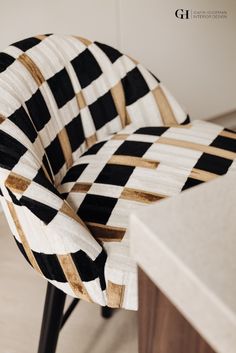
[195, 58]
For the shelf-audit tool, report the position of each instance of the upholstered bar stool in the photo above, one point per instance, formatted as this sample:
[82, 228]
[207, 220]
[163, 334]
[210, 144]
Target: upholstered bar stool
[88, 135]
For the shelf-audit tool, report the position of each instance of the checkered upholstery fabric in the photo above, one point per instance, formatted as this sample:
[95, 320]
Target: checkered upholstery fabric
[70, 171]
[136, 167]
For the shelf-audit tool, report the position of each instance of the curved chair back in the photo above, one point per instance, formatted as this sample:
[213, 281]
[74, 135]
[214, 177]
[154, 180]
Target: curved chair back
[64, 93]
[58, 96]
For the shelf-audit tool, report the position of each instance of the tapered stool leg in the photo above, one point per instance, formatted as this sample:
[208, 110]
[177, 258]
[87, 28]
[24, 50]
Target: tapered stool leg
[106, 312]
[52, 319]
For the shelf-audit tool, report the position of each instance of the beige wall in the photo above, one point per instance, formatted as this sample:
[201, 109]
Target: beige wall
[195, 58]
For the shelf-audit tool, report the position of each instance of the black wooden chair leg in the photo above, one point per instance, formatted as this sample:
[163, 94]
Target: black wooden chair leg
[52, 319]
[106, 312]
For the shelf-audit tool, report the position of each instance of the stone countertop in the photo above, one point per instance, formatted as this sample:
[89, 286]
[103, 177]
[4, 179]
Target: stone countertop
[187, 246]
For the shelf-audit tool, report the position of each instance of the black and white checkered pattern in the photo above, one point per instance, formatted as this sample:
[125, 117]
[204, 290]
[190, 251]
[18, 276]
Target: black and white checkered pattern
[139, 166]
[66, 197]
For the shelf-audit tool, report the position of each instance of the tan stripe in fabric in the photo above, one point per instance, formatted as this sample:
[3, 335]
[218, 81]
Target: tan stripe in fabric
[17, 183]
[91, 140]
[81, 187]
[164, 107]
[140, 196]
[120, 136]
[117, 93]
[197, 147]
[32, 68]
[23, 238]
[132, 59]
[66, 147]
[68, 210]
[202, 175]
[105, 232]
[83, 40]
[73, 277]
[115, 294]
[128, 118]
[41, 36]
[229, 134]
[80, 100]
[133, 161]
[2, 118]
[185, 126]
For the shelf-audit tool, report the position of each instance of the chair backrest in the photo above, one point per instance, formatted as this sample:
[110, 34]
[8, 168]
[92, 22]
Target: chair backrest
[59, 95]
[63, 93]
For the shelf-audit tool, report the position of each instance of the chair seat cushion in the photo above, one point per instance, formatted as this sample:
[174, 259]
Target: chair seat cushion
[134, 168]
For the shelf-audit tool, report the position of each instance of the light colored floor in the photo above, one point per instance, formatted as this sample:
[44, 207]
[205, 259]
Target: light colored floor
[21, 304]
